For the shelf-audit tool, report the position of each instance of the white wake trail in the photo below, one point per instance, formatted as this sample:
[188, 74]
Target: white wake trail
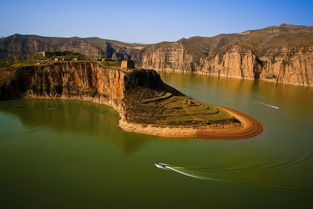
[188, 173]
[230, 176]
[268, 105]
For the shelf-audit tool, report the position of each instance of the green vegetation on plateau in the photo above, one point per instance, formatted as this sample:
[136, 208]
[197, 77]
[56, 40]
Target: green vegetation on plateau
[174, 111]
[160, 104]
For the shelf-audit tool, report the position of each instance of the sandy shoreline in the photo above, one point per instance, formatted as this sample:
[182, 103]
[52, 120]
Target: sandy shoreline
[249, 128]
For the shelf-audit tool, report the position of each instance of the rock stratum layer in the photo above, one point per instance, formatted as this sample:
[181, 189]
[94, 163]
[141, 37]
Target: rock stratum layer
[80, 80]
[281, 54]
[145, 104]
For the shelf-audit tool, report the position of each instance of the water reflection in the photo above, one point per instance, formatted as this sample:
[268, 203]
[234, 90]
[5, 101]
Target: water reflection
[76, 117]
[81, 169]
[293, 99]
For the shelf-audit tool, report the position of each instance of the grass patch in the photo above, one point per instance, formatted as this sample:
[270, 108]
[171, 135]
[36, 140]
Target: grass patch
[172, 110]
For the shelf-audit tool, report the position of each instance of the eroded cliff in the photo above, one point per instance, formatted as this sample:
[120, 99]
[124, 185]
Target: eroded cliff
[282, 54]
[87, 81]
[71, 80]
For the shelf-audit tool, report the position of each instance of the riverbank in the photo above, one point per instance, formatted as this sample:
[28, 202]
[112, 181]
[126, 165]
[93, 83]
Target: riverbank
[247, 128]
[139, 96]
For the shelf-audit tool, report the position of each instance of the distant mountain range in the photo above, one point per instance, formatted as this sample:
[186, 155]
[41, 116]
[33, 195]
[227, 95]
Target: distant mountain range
[26, 45]
[282, 54]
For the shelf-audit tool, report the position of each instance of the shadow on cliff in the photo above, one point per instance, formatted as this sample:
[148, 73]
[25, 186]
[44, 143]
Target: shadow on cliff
[145, 84]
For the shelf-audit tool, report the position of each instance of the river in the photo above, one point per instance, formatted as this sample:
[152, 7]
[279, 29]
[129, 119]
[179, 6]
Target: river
[71, 154]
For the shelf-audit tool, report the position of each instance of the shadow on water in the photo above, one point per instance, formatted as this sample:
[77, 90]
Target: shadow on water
[75, 117]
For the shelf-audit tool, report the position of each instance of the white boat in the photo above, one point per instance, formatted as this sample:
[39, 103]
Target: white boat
[161, 165]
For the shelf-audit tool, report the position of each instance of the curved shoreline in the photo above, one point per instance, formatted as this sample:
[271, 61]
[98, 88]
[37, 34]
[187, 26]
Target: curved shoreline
[248, 128]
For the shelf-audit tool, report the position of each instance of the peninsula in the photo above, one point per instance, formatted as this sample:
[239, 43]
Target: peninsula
[144, 102]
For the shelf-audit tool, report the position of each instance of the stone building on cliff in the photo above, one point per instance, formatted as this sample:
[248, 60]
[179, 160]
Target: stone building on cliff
[127, 64]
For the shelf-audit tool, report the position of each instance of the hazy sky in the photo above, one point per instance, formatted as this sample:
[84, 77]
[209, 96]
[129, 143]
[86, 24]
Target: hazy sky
[147, 21]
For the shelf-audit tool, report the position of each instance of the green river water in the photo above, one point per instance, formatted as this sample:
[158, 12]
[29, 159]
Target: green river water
[70, 154]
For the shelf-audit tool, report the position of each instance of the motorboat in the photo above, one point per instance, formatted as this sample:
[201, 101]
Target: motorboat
[161, 165]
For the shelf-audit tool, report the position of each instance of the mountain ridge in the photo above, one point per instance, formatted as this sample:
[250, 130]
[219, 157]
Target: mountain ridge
[281, 54]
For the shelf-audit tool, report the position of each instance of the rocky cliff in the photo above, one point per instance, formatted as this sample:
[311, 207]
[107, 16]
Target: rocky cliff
[282, 54]
[80, 80]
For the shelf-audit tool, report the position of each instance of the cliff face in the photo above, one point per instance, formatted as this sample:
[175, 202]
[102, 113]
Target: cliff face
[85, 81]
[76, 80]
[286, 65]
[281, 54]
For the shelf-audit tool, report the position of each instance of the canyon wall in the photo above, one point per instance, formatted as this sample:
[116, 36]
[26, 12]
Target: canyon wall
[86, 81]
[281, 54]
[284, 65]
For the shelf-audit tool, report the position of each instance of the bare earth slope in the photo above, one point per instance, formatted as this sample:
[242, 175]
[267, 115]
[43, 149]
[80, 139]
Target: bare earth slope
[145, 104]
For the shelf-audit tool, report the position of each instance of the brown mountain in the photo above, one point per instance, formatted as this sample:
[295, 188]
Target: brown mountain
[282, 54]
[26, 45]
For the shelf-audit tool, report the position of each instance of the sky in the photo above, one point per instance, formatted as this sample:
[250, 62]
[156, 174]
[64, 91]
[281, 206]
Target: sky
[147, 21]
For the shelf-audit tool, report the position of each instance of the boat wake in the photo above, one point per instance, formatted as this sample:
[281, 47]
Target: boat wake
[268, 105]
[241, 176]
[193, 174]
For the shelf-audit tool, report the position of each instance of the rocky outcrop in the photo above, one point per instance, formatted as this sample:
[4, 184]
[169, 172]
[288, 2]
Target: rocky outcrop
[87, 81]
[282, 54]
[72, 80]
[287, 65]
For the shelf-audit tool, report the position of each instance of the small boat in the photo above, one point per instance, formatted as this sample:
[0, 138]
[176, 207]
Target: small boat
[161, 165]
